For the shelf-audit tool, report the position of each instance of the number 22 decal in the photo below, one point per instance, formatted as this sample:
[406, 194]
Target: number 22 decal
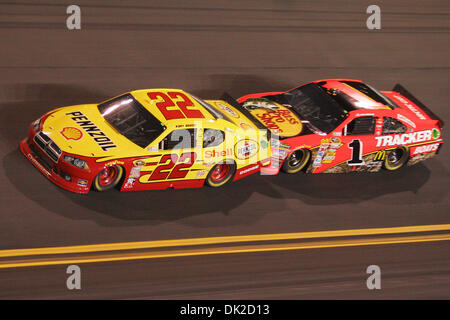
[167, 169]
[178, 111]
[356, 145]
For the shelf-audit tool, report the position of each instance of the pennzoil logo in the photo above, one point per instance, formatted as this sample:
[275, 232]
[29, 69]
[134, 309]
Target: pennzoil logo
[379, 155]
[71, 133]
[246, 149]
[91, 129]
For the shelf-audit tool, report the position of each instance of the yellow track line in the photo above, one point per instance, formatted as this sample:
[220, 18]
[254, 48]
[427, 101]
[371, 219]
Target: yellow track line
[224, 250]
[219, 240]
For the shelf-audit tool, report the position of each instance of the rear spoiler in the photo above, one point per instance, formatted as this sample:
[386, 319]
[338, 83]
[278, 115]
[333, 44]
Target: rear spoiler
[400, 89]
[230, 100]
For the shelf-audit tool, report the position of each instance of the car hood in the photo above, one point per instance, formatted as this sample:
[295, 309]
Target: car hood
[277, 118]
[81, 130]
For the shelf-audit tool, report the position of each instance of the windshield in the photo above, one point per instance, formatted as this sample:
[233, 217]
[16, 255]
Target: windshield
[131, 119]
[311, 103]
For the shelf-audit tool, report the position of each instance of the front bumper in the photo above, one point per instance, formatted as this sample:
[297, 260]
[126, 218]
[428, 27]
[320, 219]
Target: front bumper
[49, 173]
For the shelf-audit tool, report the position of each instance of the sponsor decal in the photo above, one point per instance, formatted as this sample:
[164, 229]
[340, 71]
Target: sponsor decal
[82, 182]
[379, 155]
[406, 138]
[139, 163]
[146, 161]
[406, 120]
[246, 149]
[71, 133]
[245, 126]
[130, 183]
[91, 129]
[114, 162]
[411, 107]
[249, 169]
[276, 117]
[379, 127]
[218, 153]
[435, 133]
[260, 103]
[201, 173]
[228, 110]
[38, 164]
[327, 151]
[280, 153]
[427, 148]
[135, 172]
[264, 144]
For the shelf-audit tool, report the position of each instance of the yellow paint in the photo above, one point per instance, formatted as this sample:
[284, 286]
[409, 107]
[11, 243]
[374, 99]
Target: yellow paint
[225, 250]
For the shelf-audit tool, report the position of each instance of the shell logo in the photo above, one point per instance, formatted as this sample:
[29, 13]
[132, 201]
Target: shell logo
[71, 133]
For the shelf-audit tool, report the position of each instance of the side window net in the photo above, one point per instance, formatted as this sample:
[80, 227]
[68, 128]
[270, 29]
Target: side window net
[392, 126]
[179, 139]
[361, 126]
[212, 138]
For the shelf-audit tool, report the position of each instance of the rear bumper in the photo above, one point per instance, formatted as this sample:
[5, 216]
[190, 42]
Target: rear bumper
[50, 174]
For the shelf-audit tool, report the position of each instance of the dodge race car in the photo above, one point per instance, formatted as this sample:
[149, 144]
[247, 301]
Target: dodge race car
[147, 139]
[344, 125]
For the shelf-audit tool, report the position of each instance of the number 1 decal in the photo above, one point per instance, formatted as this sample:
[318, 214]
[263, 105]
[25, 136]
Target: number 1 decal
[356, 146]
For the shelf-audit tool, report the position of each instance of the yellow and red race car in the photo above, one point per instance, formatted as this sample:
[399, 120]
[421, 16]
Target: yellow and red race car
[148, 139]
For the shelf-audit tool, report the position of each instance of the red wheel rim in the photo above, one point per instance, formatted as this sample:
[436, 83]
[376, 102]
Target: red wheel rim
[220, 172]
[107, 176]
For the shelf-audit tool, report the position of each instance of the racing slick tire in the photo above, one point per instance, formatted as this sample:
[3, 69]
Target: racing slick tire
[296, 161]
[395, 159]
[220, 174]
[108, 178]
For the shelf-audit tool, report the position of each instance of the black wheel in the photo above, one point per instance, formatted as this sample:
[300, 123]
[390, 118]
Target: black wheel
[395, 159]
[108, 178]
[296, 161]
[220, 174]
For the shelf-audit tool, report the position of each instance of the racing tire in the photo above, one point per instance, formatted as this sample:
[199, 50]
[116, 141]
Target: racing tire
[108, 178]
[296, 161]
[220, 174]
[395, 159]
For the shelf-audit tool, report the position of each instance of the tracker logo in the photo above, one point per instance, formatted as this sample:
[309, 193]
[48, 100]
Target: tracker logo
[406, 138]
[91, 129]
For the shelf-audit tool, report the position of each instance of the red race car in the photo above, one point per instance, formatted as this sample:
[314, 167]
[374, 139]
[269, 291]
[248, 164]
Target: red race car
[345, 125]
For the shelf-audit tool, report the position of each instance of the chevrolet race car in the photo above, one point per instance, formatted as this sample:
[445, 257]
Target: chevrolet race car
[147, 139]
[344, 125]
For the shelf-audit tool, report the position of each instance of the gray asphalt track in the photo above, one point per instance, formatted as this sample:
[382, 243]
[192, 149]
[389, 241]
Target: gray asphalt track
[207, 47]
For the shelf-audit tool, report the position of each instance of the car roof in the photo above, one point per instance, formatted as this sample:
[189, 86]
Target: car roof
[149, 98]
[352, 90]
